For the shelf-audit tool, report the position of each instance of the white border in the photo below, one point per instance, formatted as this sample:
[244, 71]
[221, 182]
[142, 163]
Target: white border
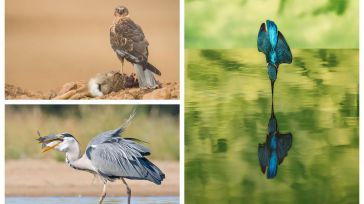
[182, 105]
[2, 99]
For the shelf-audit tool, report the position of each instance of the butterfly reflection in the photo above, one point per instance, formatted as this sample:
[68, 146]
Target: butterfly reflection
[272, 152]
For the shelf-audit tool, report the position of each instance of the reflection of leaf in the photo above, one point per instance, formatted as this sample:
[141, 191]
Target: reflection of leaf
[328, 58]
[216, 56]
[203, 75]
[349, 106]
[220, 146]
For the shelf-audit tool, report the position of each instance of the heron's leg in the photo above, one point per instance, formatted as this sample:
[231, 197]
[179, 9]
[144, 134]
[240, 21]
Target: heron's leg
[103, 194]
[128, 190]
[122, 66]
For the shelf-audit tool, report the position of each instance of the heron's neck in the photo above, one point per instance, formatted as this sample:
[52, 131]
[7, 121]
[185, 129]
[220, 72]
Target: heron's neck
[73, 153]
[74, 159]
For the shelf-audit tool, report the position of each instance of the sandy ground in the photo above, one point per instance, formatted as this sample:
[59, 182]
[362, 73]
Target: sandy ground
[51, 178]
[166, 91]
[50, 43]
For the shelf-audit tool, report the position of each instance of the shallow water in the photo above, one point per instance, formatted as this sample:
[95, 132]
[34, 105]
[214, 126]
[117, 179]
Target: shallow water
[91, 200]
[227, 109]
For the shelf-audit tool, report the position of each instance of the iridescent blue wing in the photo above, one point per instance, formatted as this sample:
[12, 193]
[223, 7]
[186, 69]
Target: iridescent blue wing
[272, 33]
[263, 41]
[273, 166]
[283, 146]
[283, 50]
[263, 156]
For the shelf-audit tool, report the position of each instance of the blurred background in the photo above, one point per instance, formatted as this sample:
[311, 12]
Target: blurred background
[227, 109]
[70, 40]
[308, 24]
[29, 172]
[158, 125]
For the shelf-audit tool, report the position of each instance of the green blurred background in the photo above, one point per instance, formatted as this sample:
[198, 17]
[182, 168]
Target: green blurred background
[156, 124]
[305, 24]
[227, 109]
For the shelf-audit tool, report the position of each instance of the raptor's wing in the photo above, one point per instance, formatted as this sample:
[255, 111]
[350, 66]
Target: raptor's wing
[283, 50]
[127, 40]
[263, 41]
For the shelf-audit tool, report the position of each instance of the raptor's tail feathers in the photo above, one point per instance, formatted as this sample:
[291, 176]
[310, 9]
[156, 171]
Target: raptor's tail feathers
[145, 77]
[152, 68]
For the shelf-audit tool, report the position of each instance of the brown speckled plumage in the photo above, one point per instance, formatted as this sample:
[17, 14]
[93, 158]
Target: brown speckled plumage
[128, 41]
[129, 37]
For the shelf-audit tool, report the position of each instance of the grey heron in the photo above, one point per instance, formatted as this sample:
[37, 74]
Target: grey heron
[108, 156]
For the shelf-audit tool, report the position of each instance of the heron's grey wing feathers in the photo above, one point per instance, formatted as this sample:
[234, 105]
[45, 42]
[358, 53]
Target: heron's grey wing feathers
[102, 137]
[121, 129]
[123, 158]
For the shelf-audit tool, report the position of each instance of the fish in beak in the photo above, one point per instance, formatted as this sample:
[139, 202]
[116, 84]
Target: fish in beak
[49, 142]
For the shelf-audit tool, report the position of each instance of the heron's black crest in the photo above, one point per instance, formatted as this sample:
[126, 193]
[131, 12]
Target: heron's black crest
[66, 134]
[135, 140]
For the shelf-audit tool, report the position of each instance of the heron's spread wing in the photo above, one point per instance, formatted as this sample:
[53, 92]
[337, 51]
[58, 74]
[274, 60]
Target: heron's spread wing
[263, 41]
[105, 136]
[284, 144]
[119, 157]
[128, 41]
[283, 50]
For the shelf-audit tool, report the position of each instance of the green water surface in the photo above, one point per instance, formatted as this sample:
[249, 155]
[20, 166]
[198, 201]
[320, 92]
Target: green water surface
[227, 108]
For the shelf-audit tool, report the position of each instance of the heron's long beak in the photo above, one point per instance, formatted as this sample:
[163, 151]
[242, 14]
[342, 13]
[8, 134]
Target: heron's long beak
[47, 148]
[50, 142]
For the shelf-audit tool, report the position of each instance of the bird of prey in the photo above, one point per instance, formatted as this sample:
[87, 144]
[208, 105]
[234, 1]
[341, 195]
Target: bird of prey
[273, 151]
[108, 156]
[128, 41]
[275, 48]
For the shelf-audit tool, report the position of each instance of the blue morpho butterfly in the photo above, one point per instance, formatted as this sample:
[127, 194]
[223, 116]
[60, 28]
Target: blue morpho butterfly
[275, 48]
[273, 151]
